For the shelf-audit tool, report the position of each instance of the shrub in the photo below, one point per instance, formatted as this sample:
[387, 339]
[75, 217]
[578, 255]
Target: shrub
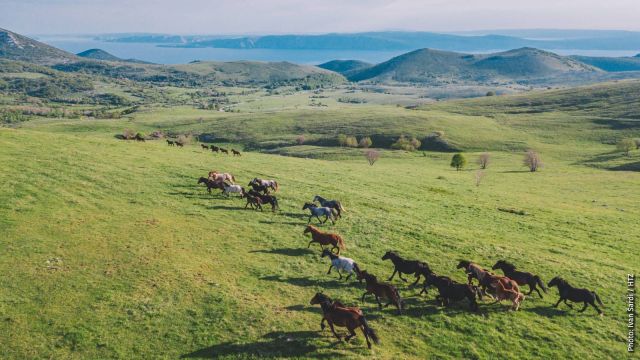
[300, 139]
[483, 160]
[372, 156]
[351, 141]
[157, 134]
[458, 161]
[532, 160]
[626, 145]
[365, 142]
[406, 144]
[637, 141]
[184, 139]
[491, 93]
[128, 134]
[342, 139]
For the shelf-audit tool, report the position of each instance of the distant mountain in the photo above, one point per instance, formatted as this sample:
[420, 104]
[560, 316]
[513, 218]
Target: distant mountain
[99, 54]
[345, 67]
[442, 67]
[612, 64]
[18, 47]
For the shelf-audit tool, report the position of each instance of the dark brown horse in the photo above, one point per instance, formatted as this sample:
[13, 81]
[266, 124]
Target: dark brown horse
[266, 199]
[235, 152]
[179, 144]
[568, 292]
[206, 147]
[324, 238]
[380, 290]
[214, 148]
[451, 291]
[211, 184]
[225, 151]
[521, 277]
[402, 266]
[170, 143]
[337, 314]
[254, 201]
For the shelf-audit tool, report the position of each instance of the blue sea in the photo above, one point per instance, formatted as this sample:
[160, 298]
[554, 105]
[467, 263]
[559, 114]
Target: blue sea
[168, 55]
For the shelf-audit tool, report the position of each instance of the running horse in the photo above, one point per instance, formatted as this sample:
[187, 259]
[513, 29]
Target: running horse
[216, 176]
[264, 185]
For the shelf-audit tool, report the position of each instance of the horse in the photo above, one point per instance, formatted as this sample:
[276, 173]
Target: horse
[337, 314]
[406, 266]
[204, 146]
[235, 152]
[266, 199]
[521, 277]
[211, 184]
[232, 189]
[170, 143]
[259, 188]
[334, 204]
[568, 292]
[139, 137]
[451, 291]
[216, 176]
[254, 201]
[214, 148]
[504, 293]
[264, 184]
[319, 211]
[179, 144]
[485, 278]
[324, 238]
[380, 290]
[224, 150]
[341, 263]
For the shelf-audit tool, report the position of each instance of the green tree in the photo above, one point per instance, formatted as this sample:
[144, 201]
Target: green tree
[458, 161]
[626, 145]
[342, 139]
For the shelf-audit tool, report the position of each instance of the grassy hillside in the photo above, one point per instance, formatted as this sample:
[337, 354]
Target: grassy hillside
[435, 66]
[345, 67]
[98, 54]
[613, 64]
[21, 48]
[113, 251]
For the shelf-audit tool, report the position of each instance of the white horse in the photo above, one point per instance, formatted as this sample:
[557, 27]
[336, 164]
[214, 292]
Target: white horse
[341, 263]
[216, 176]
[232, 189]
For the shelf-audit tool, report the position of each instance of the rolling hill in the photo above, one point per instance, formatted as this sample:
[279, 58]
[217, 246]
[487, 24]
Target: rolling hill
[98, 54]
[442, 67]
[21, 48]
[612, 64]
[345, 67]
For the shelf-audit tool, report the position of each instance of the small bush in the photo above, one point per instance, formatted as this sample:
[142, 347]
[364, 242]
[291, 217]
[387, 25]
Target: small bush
[532, 160]
[372, 156]
[184, 139]
[351, 141]
[406, 144]
[626, 145]
[365, 142]
[342, 139]
[458, 161]
[491, 93]
[128, 134]
[300, 139]
[157, 134]
[637, 141]
[483, 160]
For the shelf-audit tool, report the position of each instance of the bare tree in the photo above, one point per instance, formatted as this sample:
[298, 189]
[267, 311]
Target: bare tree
[300, 139]
[479, 176]
[483, 160]
[372, 156]
[532, 160]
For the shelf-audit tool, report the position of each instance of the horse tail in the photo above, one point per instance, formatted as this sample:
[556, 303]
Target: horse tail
[275, 183]
[540, 283]
[597, 298]
[397, 298]
[341, 207]
[356, 268]
[341, 243]
[233, 178]
[369, 331]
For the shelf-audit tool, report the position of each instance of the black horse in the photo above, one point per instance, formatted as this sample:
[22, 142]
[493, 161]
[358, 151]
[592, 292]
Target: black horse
[402, 266]
[259, 187]
[451, 291]
[214, 148]
[521, 277]
[568, 292]
[266, 199]
[333, 204]
[211, 184]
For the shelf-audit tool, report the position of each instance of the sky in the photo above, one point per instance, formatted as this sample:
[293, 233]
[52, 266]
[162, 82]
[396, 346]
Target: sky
[315, 16]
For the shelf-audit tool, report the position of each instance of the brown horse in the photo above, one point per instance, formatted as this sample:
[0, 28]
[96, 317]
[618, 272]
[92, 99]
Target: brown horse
[337, 314]
[224, 150]
[206, 147]
[324, 238]
[170, 143]
[521, 277]
[254, 201]
[211, 184]
[235, 152]
[485, 278]
[504, 293]
[380, 290]
[216, 176]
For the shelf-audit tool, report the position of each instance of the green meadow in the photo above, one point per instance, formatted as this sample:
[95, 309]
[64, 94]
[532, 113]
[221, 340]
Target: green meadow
[111, 249]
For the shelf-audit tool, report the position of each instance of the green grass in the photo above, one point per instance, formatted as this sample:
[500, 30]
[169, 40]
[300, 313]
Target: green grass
[112, 251]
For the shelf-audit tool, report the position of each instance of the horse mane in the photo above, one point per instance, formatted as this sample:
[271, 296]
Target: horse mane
[508, 264]
[464, 263]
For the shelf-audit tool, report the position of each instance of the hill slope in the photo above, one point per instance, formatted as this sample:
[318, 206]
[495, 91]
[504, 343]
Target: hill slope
[435, 66]
[345, 67]
[98, 54]
[612, 64]
[21, 48]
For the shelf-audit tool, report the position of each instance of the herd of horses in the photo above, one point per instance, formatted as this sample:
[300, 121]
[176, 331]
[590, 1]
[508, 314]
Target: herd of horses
[213, 148]
[480, 281]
